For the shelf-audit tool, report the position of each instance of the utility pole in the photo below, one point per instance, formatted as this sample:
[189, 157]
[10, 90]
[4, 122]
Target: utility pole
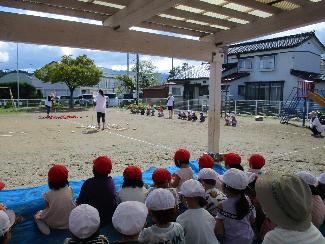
[137, 79]
[18, 96]
[127, 64]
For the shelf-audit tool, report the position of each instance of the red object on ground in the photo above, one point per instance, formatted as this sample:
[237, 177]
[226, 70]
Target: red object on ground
[2, 185]
[103, 165]
[59, 117]
[132, 173]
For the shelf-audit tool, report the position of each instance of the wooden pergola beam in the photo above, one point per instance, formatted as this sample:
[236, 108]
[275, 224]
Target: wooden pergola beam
[257, 5]
[17, 28]
[310, 14]
[136, 12]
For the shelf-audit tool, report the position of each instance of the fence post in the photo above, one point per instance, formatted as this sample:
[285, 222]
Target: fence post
[188, 105]
[280, 102]
[255, 107]
[307, 109]
[235, 106]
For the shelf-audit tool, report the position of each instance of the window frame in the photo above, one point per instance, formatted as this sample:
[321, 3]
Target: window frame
[262, 62]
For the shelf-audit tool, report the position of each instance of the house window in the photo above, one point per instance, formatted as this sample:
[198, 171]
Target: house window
[267, 63]
[245, 64]
[176, 91]
[241, 90]
[204, 90]
[272, 91]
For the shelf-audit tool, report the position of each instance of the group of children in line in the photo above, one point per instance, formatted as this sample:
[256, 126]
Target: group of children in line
[237, 207]
[191, 116]
[149, 111]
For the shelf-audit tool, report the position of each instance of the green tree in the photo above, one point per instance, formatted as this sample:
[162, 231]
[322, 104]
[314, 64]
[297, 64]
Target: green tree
[74, 72]
[26, 91]
[178, 70]
[127, 83]
[147, 74]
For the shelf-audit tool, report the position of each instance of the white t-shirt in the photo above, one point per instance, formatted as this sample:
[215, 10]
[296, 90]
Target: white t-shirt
[101, 104]
[48, 103]
[317, 124]
[174, 234]
[170, 101]
[132, 194]
[198, 226]
[283, 236]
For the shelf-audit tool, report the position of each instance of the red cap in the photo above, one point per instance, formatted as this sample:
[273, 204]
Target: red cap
[132, 173]
[231, 158]
[206, 161]
[182, 155]
[102, 165]
[58, 173]
[161, 175]
[2, 185]
[256, 161]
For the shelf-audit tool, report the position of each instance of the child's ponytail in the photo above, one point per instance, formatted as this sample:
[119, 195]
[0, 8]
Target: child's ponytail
[242, 206]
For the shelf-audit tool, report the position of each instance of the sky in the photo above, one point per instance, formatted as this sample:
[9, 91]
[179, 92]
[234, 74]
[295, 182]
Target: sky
[32, 56]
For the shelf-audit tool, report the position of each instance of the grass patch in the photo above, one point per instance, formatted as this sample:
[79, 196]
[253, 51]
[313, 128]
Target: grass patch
[15, 110]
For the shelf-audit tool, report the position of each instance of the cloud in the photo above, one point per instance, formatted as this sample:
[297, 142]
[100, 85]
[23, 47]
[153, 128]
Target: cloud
[66, 51]
[119, 67]
[4, 56]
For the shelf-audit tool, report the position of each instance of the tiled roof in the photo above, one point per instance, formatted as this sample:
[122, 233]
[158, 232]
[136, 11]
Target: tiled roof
[272, 44]
[307, 75]
[234, 76]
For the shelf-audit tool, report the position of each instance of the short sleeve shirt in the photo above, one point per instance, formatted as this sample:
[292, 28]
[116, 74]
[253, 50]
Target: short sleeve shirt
[156, 235]
[170, 101]
[213, 197]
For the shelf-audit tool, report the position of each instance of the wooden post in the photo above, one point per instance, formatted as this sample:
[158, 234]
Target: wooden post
[215, 103]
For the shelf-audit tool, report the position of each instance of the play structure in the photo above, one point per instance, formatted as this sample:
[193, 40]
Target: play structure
[296, 103]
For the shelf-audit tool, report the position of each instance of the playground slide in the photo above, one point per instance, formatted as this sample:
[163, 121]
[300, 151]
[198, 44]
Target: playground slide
[316, 98]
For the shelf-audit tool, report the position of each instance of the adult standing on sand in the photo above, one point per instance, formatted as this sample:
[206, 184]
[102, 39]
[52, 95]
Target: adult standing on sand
[101, 108]
[49, 103]
[170, 104]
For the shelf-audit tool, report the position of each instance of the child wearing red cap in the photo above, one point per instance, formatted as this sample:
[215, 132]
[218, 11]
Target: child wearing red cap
[256, 163]
[59, 202]
[161, 179]
[133, 187]
[182, 160]
[232, 160]
[93, 190]
[206, 161]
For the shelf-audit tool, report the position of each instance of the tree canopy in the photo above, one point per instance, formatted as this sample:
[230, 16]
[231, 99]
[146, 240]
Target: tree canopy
[178, 69]
[127, 83]
[147, 74]
[74, 72]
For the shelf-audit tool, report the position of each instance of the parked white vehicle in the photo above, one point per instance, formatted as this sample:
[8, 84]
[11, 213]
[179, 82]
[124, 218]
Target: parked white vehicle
[112, 100]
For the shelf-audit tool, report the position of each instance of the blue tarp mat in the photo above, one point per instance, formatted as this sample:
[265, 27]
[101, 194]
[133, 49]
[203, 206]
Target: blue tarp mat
[26, 202]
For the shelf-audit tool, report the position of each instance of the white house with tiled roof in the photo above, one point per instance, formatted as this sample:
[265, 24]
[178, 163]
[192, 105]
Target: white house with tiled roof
[261, 70]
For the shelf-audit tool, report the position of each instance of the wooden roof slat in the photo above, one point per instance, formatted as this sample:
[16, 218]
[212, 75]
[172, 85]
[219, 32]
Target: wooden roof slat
[219, 9]
[138, 11]
[166, 28]
[183, 24]
[257, 6]
[33, 6]
[283, 21]
[199, 17]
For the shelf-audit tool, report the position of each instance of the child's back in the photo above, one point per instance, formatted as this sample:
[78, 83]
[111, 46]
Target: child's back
[174, 233]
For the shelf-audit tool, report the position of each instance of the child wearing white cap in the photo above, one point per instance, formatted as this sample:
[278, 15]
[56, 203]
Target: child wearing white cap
[162, 209]
[318, 206]
[236, 214]
[208, 178]
[7, 220]
[129, 219]
[84, 223]
[197, 222]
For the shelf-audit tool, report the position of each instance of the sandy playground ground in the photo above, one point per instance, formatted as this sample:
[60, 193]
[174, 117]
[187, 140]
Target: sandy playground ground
[28, 145]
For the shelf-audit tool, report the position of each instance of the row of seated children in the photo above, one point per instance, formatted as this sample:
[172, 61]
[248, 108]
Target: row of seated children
[219, 208]
[149, 111]
[191, 116]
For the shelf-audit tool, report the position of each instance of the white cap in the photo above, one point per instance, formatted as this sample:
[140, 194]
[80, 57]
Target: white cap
[192, 188]
[84, 221]
[160, 199]
[207, 174]
[130, 217]
[7, 219]
[235, 178]
[321, 179]
[307, 177]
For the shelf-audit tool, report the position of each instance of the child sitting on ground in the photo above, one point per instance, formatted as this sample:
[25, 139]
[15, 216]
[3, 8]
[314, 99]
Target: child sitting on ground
[93, 190]
[208, 178]
[321, 186]
[7, 220]
[182, 160]
[84, 224]
[133, 187]
[162, 179]
[160, 112]
[161, 205]
[232, 160]
[233, 120]
[197, 222]
[202, 117]
[129, 219]
[318, 206]
[256, 163]
[59, 203]
[236, 214]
